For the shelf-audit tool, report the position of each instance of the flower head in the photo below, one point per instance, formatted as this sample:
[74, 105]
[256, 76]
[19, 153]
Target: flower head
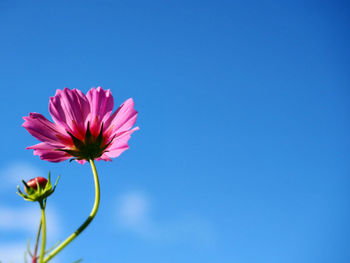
[37, 189]
[83, 126]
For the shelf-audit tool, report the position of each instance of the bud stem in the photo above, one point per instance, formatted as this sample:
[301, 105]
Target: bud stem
[43, 237]
[86, 222]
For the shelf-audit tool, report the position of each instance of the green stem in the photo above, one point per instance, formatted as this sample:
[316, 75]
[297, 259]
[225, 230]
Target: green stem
[43, 237]
[87, 221]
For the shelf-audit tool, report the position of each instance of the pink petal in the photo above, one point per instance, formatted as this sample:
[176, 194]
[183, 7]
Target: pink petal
[104, 157]
[49, 152]
[122, 119]
[70, 109]
[119, 144]
[44, 130]
[101, 105]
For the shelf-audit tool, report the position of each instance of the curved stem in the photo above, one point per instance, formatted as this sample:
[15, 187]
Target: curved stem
[86, 222]
[43, 237]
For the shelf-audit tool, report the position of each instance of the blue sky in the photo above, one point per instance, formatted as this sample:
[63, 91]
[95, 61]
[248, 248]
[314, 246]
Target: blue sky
[243, 151]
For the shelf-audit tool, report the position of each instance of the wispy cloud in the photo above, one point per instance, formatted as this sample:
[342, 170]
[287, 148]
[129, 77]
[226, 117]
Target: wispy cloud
[134, 214]
[24, 220]
[12, 252]
[133, 211]
[13, 173]
[20, 219]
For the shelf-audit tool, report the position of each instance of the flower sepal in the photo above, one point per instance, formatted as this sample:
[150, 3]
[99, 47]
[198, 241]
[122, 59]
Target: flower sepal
[90, 148]
[37, 189]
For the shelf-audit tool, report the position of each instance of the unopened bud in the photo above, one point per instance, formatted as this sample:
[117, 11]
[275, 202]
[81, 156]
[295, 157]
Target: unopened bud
[37, 189]
[33, 183]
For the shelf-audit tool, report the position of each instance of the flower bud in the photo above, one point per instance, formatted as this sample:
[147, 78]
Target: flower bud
[37, 189]
[33, 183]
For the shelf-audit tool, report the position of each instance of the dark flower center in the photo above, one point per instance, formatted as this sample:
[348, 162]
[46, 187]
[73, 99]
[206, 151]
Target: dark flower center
[89, 148]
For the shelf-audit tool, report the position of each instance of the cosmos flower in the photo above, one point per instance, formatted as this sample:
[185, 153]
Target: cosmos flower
[84, 126]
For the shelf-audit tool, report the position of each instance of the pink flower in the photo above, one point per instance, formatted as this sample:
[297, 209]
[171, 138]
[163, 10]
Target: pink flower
[84, 127]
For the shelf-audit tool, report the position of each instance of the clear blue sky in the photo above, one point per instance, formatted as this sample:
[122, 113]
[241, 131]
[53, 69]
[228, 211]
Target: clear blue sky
[243, 151]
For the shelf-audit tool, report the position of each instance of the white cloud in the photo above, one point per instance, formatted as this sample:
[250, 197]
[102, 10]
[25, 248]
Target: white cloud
[133, 209]
[134, 215]
[26, 219]
[22, 219]
[13, 252]
[189, 229]
[13, 174]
